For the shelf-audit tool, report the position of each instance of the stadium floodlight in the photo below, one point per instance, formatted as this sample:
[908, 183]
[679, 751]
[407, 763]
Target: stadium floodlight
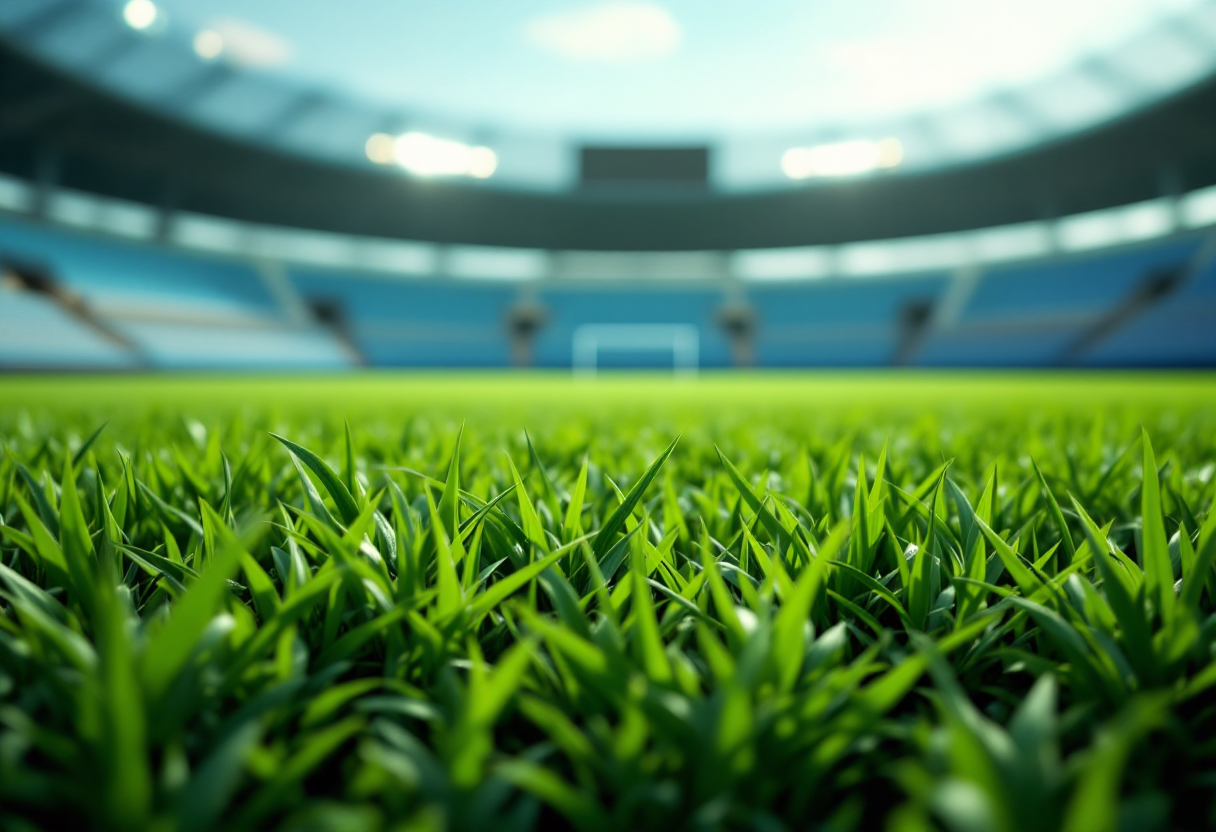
[849, 158]
[425, 155]
[482, 163]
[140, 14]
[208, 44]
[379, 148]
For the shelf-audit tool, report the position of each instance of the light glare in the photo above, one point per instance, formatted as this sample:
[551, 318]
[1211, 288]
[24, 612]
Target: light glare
[426, 155]
[849, 158]
[380, 148]
[208, 44]
[140, 14]
[482, 163]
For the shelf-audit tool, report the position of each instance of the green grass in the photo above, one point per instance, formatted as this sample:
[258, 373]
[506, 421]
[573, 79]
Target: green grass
[780, 602]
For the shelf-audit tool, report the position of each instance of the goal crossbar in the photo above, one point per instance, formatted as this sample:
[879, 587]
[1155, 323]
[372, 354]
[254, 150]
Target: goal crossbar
[683, 340]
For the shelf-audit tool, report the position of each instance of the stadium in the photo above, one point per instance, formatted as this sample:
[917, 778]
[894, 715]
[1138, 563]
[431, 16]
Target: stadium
[607, 414]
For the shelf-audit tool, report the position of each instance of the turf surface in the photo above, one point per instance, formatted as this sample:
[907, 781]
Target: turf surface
[835, 602]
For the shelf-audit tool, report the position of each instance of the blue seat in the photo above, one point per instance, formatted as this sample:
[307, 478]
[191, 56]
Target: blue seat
[193, 346]
[184, 309]
[1180, 331]
[406, 299]
[854, 300]
[840, 323]
[35, 333]
[418, 322]
[1035, 347]
[873, 349]
[116, 272]
[1071, 284]
[381, 352]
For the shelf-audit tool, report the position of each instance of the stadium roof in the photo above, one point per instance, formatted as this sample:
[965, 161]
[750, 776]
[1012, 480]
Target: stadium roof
[945, 82]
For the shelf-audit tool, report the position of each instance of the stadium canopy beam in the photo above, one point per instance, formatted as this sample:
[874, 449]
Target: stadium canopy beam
[1190, 35]
[48, 19]
[121, 46]
[1108, 74]
[114, 148]
[1019, 106]
[198, 86]
[927, 129]
[21, 113]
[297, 109]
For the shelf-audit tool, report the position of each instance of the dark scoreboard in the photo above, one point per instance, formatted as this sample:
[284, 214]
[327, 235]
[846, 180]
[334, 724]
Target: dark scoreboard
[680, 166]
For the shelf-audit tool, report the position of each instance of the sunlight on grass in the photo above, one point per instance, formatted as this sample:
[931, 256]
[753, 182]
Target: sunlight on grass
[786, 601]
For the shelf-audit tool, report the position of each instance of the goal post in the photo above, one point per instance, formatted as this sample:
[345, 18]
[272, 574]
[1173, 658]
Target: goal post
[683, 341]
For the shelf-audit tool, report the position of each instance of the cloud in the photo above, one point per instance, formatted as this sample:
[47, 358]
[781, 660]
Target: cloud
[617, 31]
[250, 45]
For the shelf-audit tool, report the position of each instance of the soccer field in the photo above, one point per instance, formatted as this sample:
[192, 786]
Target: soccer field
[518, 399]
[766, 602]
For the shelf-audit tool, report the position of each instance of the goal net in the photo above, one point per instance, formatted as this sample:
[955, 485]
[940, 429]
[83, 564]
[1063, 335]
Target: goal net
[592, 343]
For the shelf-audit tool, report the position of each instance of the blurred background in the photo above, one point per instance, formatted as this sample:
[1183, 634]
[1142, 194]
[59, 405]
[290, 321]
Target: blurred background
[600, 184]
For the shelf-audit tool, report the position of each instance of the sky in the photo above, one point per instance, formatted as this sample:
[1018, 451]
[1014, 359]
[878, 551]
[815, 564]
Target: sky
[666, 69]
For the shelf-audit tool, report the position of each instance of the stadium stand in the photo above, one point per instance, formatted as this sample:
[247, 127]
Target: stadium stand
[414, 322]
[36, 332]
[845, 322]
[84, 300]
[110, 274]
[71, 301]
